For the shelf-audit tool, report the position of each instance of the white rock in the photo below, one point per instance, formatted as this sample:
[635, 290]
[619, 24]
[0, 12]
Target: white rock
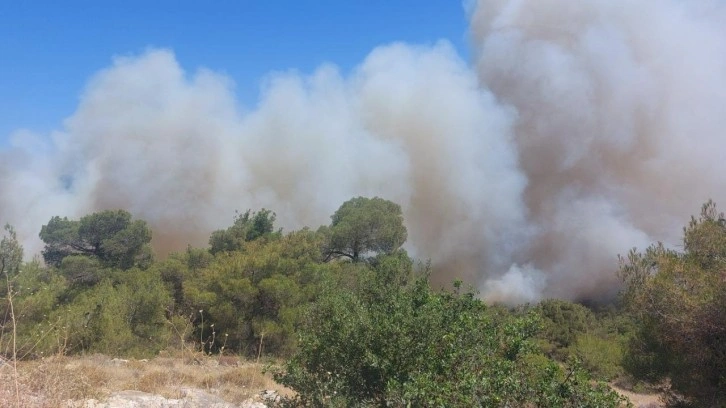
[192, 398]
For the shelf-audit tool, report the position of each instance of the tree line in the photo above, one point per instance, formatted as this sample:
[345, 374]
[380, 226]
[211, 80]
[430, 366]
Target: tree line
[355, 319]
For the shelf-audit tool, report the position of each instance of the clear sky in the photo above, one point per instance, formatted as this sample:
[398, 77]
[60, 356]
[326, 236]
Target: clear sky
[49, 49]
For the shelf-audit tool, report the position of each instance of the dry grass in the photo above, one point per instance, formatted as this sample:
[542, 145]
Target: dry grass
[52, 381]
[49, 382]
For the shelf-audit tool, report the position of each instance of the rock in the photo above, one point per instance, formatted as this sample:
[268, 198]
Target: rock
[270, 396]
[191, 398]
[250, 403]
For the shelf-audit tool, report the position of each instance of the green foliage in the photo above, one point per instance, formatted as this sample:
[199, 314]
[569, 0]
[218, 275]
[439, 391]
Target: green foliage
[571, 330]
[121, 316]
[36, 291]
[253, 296]
[173, 272]
[97, 321]
[247, 227]
[602, 356]
[126, 318]
[370, 332]
[389, 340]
[677, 300]
[564, 321]
[704, 239]
[61, 239]
[146, 309]
[111, 237]
[244, 294]
[364, 225]
[221, 295]
[11, 253]
[81, 271]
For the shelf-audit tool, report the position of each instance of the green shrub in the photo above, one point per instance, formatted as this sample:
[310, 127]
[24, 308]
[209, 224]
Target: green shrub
[119, 319]
[392, 341]
[253, 295]
[563, 322]
[603, 357]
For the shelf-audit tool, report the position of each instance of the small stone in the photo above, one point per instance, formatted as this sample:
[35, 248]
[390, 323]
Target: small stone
[119, 361]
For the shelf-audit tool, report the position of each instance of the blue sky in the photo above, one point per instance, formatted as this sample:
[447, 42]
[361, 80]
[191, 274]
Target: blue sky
[50, 49]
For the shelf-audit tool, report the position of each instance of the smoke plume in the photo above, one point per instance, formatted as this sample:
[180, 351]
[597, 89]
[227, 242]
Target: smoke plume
[579, 130]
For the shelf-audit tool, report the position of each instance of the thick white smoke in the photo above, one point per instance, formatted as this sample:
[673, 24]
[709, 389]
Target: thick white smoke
[582, 129]
[622, 113]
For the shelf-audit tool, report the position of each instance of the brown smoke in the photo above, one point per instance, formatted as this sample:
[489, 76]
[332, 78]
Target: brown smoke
[583, 129]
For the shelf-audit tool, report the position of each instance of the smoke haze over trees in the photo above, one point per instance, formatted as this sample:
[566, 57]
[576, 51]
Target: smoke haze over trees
[577, 131]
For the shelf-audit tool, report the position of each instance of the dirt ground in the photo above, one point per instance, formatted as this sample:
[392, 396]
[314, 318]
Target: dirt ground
[640, 400]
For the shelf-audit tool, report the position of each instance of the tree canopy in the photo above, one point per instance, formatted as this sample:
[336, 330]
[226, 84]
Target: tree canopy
[679, 301]
[110, 236]
[365, 225]
[247, 227]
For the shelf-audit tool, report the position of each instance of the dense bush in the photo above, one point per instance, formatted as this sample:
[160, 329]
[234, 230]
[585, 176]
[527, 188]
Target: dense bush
[391, 341]
[562, 323]
[571, 330]
[249, 300]
[602, 356]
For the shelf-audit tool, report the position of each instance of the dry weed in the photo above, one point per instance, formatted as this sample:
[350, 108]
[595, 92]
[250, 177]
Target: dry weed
[51, 382]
